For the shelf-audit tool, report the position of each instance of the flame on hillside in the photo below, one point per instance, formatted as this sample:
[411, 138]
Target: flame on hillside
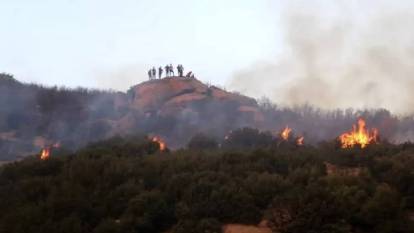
[300, 141]
[359, 136]
[160, 142]
[285, 133]
[45, 154]
[46, 151]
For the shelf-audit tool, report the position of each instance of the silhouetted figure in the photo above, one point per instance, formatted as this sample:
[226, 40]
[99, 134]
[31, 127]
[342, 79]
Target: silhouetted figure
[150, 74]
[180, 70]
[188, 75]
[154, 72]
[167, 70]
[192, 76]
[171, 69]
[160, 72]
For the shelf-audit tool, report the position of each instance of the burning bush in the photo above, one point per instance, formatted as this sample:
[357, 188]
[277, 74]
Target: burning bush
[160, 142]
[359, 136]
[286, 135]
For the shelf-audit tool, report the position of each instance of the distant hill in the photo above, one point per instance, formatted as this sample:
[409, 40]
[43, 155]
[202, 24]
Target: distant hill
[174, 108]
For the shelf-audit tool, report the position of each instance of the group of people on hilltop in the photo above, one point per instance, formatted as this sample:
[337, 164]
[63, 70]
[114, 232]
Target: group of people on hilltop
[169, 72]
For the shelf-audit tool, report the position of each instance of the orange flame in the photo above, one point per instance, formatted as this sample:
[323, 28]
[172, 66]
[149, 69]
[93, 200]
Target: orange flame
[358, 136]
[160, 142]
[299, 141]
[285, 133]
[45, 153]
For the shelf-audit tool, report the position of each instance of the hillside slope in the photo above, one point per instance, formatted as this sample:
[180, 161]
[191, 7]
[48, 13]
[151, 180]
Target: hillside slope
[174, 108]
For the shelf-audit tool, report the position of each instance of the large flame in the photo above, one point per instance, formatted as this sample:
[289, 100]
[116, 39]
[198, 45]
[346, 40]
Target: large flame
[358, 136]
[160, 142]
[45, 154]
[285, 133]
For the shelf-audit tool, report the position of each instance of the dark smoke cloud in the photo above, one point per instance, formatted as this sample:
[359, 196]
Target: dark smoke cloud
[357, 54]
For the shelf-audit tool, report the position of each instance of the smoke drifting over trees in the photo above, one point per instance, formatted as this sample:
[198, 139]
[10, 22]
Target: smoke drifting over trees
[351, 54]
[342, 60]
[33, 117]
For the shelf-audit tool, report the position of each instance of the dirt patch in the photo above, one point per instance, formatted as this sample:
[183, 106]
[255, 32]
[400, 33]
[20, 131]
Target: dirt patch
[239, 228]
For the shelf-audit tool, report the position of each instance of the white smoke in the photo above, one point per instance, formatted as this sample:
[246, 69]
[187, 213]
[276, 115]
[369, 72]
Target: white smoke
[357, 54]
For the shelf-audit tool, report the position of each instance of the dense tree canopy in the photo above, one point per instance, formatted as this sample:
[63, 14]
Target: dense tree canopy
[128, 185]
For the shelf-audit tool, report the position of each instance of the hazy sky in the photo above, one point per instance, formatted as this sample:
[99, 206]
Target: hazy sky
[329, 53]
[111, 44]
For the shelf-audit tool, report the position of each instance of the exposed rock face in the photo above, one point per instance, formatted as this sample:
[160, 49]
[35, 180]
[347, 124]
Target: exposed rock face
[186, 106]
[171, 95]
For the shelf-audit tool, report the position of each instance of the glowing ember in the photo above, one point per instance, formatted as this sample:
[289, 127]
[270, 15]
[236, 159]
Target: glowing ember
[358, 136]
[160, 142]
[299, 141]
[45, 153]
[285, 133]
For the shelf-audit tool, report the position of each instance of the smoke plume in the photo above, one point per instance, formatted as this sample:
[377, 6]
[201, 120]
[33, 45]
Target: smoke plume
[353, 54]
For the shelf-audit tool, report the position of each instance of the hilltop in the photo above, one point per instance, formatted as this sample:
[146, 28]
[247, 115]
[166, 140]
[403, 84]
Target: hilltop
[169, 95]
[174, 108]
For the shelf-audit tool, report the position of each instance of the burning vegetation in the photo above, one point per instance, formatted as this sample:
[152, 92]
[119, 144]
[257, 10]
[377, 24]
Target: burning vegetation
[47, 150]
[285, 133]
[285, 187]
[45, 153]
[300, 141]
[359, 136]
[161, 143]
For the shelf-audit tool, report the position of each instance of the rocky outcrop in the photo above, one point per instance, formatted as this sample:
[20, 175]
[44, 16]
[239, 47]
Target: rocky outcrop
[172, 95]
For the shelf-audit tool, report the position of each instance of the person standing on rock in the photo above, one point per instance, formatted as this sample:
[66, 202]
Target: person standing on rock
[171, 69]
[167, 70]
[180, 70]
[149, 74]
[154, 72]
[160, 72]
